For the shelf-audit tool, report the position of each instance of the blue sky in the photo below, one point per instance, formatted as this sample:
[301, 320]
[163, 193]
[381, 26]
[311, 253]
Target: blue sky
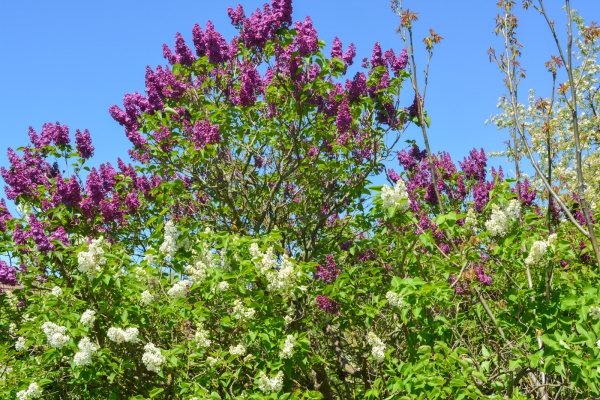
[69, 61]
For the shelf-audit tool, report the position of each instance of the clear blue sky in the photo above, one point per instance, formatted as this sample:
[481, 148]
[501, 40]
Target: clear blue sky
[69, 61]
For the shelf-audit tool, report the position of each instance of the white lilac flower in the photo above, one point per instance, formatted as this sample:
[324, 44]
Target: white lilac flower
[12, 329]
[55, 334]
[21, 344]
[147, 297]
[498, 223]
[537, 252]
[471, 218]
[595, 312]
[201, 337]
[84, 356]
[211, 360]
[378, 347]
[223, 286]
[150, 258]
[270, 385]
[552, 239]
[240, 312]
[89, 262]
[57, 291]
[33, 392]
[394, 299]
[396, 197]
[179, 290]
[153, 358]
[287, 320]
[119, 335]
[513, 210]
[238, 350]
[197, 273]
[288, 347]
[169, 245]
[88, 318]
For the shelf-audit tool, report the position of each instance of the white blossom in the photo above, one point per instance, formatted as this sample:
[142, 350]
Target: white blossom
[197, 273]
[12, 329]
[552, 239]
[471, 218]
[223, 286]
[147, 297]
[513, 210]
[169, 245]
[57, 291]
[240, 312]
[212, 360]
[238, 350]
[153, 358]
[537, 252]
[395, 197]
[288, 347]
[88, 318]
[377, 347]
[33, 392]
[89, 262]
[55, 334]
[179, 290]
[270, 385]
[201, 337]
[287, 320]
[84, 356]
[394, 299]
[595, 312]
[21, 344]
[119, 335]
[150, 258]
[498, 223]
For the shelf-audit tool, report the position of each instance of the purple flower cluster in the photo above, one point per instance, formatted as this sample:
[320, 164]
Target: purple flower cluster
[527, 192]
[83, 142]
[482, 277]
[261, 26]
[69, 193]
[183, 55]
[210, 43]
[25, 174]
[329, 272]
[396, 64]
[357, 86]
[474, 165]
[343, 119]
[4, 215]
[251, 82]
[376, 56]
[328, 305]
[39, 237]
[8, 274]
[205, 134]
[413, 110]
[61, 235]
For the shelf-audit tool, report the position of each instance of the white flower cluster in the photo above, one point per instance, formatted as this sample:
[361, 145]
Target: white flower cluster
[552, 239]
[89, 262]
[196, 273]
[169, 245]
[378, 347]
[242, 313]
[537, 252]
[394, 197]
[12, 329]
[88, 318]
[513, 210]
[288, 347]
[471, 218]
[223, 286]
[238, 350]
[179, 290]
[270, 385]
[212, 360]
[282, 278]
[150, 258]
[34, 391]
[498, 223]
[21, 344]
[147, 297]
[55, 334]
[119, 335]
[394, 299]
[595, 312]
[201, 337]
[57, 291]
[84, 356]
[153, 358]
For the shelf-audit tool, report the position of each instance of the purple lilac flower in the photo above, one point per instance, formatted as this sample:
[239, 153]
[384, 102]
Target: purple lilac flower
[20, 236]
[4, 215]
[481, 195]
[111, 210]
[70, 193]
[376, 56]
[343, 119]
[307, 39]
[184, 54]
[83, 142]
[251, 82]
[168, 54]
[527, 192]
[38, 235]
[107, 174]
[215, 46]
[482, 277]
[413, 110]
[474, 165]
[8, 274]
[350, 54]
[394, 177]
[400, 63]
[336, 48]
[198, 39]
[25, 174]
[358, 86]
[154, 90]
[132, 203]
[61, 235]
[283, 10]
[205, 134]
[237, 16]
[328, 305]
[329, 272]
[94, 187]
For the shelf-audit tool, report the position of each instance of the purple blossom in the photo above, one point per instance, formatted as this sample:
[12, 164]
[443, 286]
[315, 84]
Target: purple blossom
[474, 165]
[132, 202]
[19, 236]
[413, 110]
[350, 54]
[4, 215]
[329, 272]
[70, 193]
[527, 192]
[237, 16]
[328, 305]
[400, 62]
[184, 54]
[482, 277]
[168, 54]
[61, 235]
[205, 134]
[198, 39]
[394, 177]
[307, 39]
[38, 235]
[94, 187]
[282, 9]
[83, 142]
[215, 46]
[24, 174]
[358, 86]
[481, 194]
[343, 119]
[111, 210]
[8, 274]
[251, 82]
[336, 48]
[376, 56]
[154, 90]
[107, 174]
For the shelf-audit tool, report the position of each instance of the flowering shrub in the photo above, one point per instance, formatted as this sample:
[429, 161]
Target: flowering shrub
[248, 256]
